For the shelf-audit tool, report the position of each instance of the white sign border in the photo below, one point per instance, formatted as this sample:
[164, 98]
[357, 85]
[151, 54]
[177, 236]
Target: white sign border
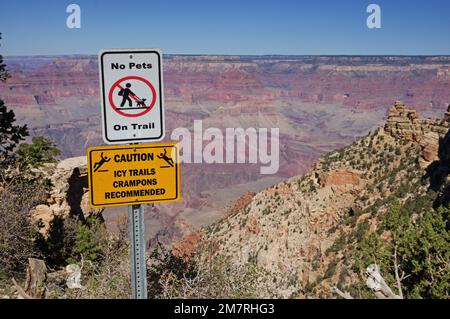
[103, 96]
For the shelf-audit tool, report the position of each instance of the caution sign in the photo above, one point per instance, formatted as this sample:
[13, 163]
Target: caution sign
[134, 174]
[132, 96]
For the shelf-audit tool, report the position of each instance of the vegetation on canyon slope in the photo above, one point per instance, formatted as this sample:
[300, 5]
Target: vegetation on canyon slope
[391, 212]
[401, 222]
[21, 189]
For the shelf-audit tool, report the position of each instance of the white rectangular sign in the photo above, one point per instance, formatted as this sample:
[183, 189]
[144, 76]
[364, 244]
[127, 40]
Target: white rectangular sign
[132, 96]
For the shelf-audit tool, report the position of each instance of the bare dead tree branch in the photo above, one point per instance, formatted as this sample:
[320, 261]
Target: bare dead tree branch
[376, 282]
[344, 295]
[20, 290]
[397, 277]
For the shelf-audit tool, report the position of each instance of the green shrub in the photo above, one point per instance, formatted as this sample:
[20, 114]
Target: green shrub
[41, 150]
[330, 270]
[87, 242]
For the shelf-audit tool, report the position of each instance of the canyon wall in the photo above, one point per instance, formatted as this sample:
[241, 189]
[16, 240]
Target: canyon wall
[320, 103]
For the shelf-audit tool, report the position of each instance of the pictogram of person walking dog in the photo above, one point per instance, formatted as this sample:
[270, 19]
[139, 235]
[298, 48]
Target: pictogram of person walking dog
[126, 92]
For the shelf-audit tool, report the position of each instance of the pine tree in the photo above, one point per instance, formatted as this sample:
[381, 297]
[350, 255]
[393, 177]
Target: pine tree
[41, 150]
[10, 134]
[421, 247]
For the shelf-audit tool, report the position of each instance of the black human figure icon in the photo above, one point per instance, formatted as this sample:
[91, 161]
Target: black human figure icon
[165, 157]
[100, 163]
[125, 93]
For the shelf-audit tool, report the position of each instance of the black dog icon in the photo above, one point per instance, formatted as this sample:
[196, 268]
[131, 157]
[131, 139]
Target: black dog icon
[141, 103]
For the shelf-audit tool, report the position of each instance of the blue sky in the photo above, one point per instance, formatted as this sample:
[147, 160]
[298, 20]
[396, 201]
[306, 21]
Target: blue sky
[226, 27]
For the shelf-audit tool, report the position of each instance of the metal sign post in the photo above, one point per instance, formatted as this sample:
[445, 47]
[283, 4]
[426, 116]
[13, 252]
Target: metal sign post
[138, 260]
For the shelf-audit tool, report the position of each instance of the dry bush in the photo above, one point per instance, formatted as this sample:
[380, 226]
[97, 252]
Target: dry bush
[213, 277]
[18, 195]
[219, 279]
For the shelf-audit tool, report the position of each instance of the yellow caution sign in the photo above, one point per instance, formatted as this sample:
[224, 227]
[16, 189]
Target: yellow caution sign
[133, 174]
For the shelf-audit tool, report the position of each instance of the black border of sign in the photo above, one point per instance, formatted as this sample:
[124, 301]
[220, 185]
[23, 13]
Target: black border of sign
[161, 106]
[113, 148]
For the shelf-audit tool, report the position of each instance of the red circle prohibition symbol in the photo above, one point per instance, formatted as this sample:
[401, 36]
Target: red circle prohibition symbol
[117, 85]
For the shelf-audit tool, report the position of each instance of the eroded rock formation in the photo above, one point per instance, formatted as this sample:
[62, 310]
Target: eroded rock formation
[405, 124]
[69, 192]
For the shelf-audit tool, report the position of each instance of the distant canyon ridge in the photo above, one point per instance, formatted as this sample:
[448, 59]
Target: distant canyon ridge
[319, 103]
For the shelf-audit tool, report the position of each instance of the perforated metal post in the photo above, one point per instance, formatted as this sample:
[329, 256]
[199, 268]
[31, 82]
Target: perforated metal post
[138, 262]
